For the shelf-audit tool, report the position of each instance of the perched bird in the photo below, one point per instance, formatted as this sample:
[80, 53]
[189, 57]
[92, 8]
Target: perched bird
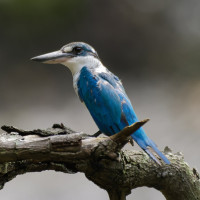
[101, 91]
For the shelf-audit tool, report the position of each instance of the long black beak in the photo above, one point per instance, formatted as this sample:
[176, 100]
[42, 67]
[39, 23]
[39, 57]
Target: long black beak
[52, 58]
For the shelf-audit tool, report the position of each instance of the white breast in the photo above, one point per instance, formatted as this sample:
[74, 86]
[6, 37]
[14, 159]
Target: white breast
[75, 81]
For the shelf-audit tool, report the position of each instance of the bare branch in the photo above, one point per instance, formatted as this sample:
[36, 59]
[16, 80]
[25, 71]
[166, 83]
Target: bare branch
[102, 161]
[57, 129]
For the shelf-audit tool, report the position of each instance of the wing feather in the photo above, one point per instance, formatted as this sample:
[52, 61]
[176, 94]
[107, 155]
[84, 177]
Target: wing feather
[101, 99]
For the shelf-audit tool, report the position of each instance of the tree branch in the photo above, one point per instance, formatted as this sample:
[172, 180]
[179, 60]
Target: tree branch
[101, 159]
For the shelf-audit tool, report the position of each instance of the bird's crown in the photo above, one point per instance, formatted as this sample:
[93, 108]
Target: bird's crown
[79, 49]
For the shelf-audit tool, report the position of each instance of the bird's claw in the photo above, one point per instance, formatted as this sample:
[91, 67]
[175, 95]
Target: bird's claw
[96, 134]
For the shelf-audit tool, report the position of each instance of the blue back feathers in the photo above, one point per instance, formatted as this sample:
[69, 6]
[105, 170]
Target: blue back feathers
[111, 109]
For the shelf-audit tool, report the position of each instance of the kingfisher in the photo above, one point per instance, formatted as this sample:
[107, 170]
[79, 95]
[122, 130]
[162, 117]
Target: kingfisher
[102, 93]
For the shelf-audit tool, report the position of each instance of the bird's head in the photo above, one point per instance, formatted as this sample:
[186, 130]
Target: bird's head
[74, 55]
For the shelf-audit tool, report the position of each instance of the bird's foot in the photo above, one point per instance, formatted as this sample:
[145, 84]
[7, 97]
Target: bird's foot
[96, 134]
[131, 141]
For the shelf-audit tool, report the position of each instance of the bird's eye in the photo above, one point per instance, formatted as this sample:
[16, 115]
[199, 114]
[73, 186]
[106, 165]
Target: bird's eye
[77, 50]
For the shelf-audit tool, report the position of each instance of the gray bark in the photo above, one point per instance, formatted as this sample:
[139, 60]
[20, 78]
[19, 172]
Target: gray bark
[102, 160]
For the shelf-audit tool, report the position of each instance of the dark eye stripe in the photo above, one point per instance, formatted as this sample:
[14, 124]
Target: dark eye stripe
[77, 50]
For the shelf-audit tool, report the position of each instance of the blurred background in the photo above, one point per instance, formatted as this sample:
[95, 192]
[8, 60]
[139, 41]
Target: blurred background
[152, 45]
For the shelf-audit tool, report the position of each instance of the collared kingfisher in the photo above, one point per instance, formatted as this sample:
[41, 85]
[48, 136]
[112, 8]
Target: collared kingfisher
[102, 93]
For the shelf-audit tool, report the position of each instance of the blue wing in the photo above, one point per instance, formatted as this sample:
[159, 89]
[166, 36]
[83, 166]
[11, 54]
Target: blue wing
[101, 100]
[107, 102]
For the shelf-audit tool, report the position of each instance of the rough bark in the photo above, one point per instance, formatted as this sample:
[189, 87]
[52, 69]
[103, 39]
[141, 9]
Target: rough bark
[101, 159]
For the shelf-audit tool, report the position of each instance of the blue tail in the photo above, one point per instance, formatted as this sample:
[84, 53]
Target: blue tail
[148, 146]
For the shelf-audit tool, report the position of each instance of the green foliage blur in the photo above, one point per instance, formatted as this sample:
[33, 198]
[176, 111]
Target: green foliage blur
[32, 17]
[149, 38]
